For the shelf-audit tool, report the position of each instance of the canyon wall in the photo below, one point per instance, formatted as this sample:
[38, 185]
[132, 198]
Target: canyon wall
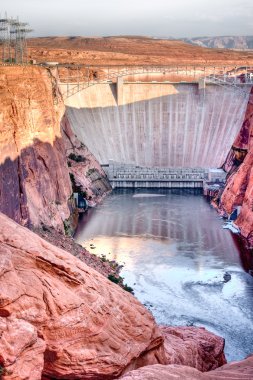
[86, 173]
[35, 185]
[239, 186]
[158, 124]
[34, 178]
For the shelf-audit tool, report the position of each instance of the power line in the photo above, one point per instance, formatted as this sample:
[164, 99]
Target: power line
[13, 40]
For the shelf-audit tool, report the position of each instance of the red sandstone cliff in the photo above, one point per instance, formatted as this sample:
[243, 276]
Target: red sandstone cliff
[34, 178]
[35, 185]
[86, 172]
[239, 186]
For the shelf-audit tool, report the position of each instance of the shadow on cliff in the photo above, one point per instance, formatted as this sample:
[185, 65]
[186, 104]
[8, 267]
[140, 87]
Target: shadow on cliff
[246, 255]
[35, 186]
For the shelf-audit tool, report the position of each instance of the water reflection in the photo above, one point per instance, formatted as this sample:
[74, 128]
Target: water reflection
[175, 255]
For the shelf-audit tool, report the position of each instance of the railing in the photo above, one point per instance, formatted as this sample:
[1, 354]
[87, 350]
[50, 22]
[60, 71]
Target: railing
[75, 78]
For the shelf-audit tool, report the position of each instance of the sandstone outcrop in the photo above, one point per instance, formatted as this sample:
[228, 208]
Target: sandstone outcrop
[239, 186]
[35, 185]
[194, 347]
[242, 370]
[34, 177]
[21, 350]
[90, 327]
[165, 372]
[78, 324]
[88, 176]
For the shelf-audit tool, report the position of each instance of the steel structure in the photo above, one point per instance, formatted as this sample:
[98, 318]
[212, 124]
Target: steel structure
[13, 40]
[75, 78]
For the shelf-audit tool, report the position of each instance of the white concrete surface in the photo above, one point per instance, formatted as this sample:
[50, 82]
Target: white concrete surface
[160, 125]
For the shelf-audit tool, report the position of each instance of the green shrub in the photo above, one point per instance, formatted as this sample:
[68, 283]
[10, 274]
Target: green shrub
[83, 194]
[76, 157]
[72, 179]
[4, 371]
[67, 227]
[119, 281]
[114, 279]
[90, 171]
[128, 288]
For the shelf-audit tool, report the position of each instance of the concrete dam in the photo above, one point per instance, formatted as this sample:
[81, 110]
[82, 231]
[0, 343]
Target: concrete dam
[157, 125]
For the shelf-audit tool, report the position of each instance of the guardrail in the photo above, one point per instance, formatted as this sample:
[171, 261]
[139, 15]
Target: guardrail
[79, 77]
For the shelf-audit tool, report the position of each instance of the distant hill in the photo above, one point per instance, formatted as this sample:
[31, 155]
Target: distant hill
[133, 50]
[223, 42]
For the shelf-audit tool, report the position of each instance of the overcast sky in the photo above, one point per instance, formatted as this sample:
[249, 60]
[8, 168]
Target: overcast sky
[161, 18]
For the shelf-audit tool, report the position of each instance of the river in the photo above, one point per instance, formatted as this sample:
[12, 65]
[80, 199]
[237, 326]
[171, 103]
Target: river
[178, 259]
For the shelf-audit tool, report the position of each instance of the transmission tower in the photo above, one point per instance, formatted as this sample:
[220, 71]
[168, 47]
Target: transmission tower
[5, 38]
[13, 40]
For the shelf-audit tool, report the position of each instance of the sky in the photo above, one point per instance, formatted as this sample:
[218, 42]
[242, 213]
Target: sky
[157, 18]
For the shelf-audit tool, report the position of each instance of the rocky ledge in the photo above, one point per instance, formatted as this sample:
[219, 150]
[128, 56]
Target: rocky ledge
[242, 370]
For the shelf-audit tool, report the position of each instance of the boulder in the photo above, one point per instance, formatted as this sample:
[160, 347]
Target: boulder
[194, 347]
[242, 370]
[21, 350]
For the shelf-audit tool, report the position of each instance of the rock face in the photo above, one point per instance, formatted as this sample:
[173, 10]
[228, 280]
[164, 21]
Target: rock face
[62, 319]
[87, 174]
[165, 372]
[21, 350]
[242, 370]
[34, 178]
[35, 186]
[239, 187]
[193, 347]
[56, 308]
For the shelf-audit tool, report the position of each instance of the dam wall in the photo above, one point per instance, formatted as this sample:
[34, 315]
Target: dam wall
[158, 124]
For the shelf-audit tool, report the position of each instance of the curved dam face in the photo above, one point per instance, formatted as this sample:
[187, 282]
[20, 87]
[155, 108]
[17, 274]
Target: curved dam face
[158, 124]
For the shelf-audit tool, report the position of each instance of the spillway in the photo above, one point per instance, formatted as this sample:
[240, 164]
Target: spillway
[158, 124]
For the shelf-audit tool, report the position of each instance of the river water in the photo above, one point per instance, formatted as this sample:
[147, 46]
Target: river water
[175, 255]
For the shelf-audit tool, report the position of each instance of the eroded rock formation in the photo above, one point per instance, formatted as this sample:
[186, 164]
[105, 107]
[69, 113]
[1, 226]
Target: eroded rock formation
[35, 186]
[87, 174]
[239, 186]
[61, 318]
[34, 178]
[91, 327]
[21, 350]
[242, 370]
[193, 347]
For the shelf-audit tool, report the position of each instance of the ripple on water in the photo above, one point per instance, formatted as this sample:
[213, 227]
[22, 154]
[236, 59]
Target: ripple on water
[176, 255]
